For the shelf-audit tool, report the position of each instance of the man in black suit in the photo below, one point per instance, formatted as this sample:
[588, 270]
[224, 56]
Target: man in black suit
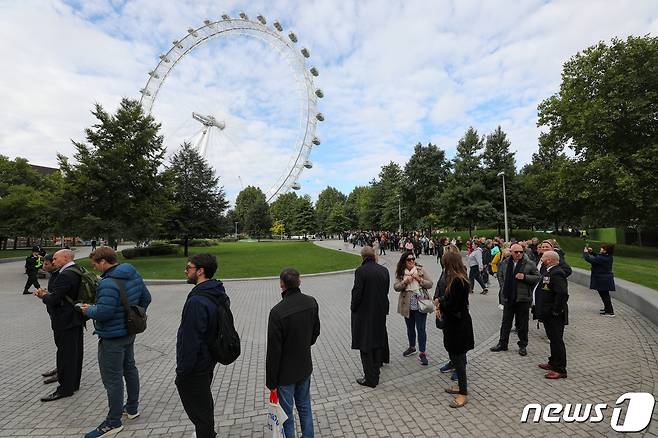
[551, 304]
[369, 309]
[51, 375]
[67, 324]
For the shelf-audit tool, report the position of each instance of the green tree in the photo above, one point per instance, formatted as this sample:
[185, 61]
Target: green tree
[115, 188]
[337, 222]
[253, 212]
[464, 201]
[425, 177]
[497, 158]
[304, 216]
[326, 201]
[283, 210]
[356, 207]
[199, 201]
[607, 112]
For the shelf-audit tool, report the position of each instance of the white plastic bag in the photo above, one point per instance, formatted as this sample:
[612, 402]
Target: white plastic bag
[276, 417]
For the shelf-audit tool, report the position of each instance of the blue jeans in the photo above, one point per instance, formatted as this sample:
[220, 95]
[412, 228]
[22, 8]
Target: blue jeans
[416, 322]
[116, 360]
[299, 395]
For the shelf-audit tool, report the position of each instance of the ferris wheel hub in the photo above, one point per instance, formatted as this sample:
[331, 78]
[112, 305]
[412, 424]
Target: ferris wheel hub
[209, 121]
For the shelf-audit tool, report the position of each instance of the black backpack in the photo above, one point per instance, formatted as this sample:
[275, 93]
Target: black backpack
[225, 348]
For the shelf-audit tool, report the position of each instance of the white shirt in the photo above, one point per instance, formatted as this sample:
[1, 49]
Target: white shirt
[71, 263]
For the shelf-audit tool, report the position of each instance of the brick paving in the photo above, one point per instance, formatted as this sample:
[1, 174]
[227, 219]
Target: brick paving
[607, 358]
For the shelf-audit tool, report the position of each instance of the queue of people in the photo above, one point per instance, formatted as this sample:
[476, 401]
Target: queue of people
[532, 278]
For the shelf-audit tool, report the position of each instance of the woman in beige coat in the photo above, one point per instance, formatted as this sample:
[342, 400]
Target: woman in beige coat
[410, 279]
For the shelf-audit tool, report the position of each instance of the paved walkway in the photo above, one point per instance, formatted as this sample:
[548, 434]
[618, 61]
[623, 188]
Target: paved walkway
[607, 358]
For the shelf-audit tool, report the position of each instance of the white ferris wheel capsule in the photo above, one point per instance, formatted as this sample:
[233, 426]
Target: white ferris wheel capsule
[278, 40]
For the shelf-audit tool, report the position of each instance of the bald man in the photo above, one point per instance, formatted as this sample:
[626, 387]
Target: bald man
[518, 275]
[551, 305]
[66, 323]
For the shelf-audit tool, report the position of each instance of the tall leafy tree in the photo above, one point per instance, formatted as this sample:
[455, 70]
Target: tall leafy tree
[115, 187]
[356, 207]
[425, 177]
[253, 212]
[283, 210]
[607, 112]
[497, 158]
[327, 199]
[304, 216]
[464, 202]
[199, 201]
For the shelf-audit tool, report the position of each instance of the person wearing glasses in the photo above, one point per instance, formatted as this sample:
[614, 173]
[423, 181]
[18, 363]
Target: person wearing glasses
[194, 364]
[410, 280]
[519, 276]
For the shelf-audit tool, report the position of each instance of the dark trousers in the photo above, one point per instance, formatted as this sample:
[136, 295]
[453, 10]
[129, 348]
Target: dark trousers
[195, 394]
[459, 362]
[417, 322]
[607, 302]
[474, 275]
[372, 362]
[32, 280]
[554, 326]
[70, 349]
[520, 312]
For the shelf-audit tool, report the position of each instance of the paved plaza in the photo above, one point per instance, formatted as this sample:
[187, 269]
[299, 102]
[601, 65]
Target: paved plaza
[607, 358]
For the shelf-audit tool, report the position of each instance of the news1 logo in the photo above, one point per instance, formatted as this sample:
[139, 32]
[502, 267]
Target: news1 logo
[638, 413]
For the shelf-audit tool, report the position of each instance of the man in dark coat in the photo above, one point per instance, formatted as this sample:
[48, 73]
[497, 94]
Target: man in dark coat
[369, 309]
[551, 305]
[519, 275]
[601, 278]
[67, 324]
[292, 328]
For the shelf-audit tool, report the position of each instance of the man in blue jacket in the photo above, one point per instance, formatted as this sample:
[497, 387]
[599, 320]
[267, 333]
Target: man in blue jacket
[198, 326]
[116, 354]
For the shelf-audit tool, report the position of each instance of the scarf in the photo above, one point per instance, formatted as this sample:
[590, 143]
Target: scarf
[509, 287]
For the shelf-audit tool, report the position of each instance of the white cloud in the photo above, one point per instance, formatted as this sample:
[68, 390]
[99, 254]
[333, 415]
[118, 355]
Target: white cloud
[393, 73]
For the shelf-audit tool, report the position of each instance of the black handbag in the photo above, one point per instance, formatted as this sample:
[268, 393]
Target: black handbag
[440, 322]
[135, 315]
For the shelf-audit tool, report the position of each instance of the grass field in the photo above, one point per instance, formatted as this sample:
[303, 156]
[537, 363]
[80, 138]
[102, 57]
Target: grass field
[633, 263]
[248, 259]
[9, 253]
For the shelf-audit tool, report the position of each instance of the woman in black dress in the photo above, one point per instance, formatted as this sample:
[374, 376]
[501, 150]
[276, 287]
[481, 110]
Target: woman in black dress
[601, 278]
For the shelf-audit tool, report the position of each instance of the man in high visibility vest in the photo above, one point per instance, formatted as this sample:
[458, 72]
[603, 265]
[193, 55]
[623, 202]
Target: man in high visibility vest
[32, 264]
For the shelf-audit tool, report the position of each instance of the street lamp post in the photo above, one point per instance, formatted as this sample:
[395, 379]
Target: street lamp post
[505, 206]
[399, 215]
[236, 230]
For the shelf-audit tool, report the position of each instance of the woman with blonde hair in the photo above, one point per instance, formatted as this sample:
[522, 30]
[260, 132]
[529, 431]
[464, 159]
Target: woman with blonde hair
[458, 326]
[410, 280]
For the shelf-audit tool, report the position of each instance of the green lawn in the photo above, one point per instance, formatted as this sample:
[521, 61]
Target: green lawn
[249, 259]
[633, 263]
[9, 253]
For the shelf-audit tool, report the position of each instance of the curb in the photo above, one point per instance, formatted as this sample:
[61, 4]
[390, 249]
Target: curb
[11, 260]
[156, 282]
[640, 298]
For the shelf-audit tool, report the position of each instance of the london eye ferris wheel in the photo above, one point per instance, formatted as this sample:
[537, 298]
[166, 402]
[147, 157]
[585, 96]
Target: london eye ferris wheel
[212, 128]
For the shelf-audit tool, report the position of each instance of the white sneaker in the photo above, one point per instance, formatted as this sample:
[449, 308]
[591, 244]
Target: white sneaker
[131, 416]
[501, 307]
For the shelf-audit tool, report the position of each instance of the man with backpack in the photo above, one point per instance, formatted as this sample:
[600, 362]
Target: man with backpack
[120, 292]
[66, 322]
[206, 314]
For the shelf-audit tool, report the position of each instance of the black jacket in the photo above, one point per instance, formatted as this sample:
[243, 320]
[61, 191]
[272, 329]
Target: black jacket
[198, 327]
[294, 326]
[63, 315]
[552, 295]
[458, 329]
[370, 306]
[601, 277]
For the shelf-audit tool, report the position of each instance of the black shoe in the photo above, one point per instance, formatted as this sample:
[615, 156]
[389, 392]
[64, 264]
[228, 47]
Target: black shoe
[54, 396]
[523, 351]
[50, 373]
[409, 351]
[499, 347]
[51, 379]
[362, 381]
[27, 293]
[484, 291]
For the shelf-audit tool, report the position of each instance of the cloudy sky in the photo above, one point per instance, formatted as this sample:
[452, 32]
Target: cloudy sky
[394, 73]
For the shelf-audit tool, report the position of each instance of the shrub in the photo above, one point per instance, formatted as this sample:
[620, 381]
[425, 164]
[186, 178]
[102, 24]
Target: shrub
[155, 249]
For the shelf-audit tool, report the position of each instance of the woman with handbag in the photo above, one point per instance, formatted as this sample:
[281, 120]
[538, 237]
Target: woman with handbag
[452, 308]
[414, 302]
